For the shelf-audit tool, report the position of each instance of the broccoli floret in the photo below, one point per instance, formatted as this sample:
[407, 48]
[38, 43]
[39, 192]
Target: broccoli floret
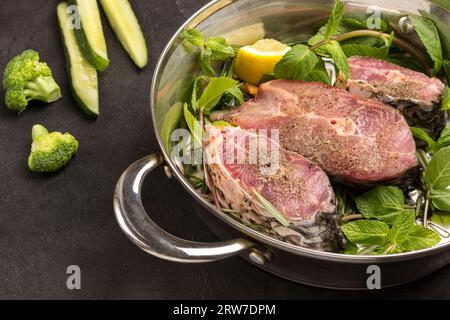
[25, 79]
[50, 151]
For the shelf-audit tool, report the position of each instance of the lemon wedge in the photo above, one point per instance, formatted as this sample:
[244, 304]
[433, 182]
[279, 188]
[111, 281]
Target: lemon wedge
[255, 61]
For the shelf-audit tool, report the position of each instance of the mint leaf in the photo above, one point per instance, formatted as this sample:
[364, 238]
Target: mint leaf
[418, 238]
[444, 139]
[198, 86]
[296, 64]
[428, 34]
[358, 49]
[356, 24]
[214, 92]
[351, 50]
[194, 126]
[366, 232]
[440, 199]
[447, 69]
[170, 123]
[350, 248]
[339, 58]
[445, 104]
[383, 203]
[219, 48]
[437, 174]
[192, 37]
[404, 222]
[335, 19]
[234, 97]
[204, 61]
[319, 74]
[422, 135]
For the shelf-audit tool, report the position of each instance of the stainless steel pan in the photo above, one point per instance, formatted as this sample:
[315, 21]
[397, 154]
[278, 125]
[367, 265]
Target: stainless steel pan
[244, 22]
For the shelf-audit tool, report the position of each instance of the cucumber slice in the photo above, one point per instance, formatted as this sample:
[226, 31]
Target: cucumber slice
[90, 34]
[123, 21]
[83, 76]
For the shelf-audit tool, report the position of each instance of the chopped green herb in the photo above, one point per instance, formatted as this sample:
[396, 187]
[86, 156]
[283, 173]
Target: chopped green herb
[428, 34]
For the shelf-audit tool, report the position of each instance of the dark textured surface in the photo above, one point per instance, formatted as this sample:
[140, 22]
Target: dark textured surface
[50, 222]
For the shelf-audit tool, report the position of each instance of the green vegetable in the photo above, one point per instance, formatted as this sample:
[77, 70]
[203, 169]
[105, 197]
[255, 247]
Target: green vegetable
[350, 248]
[383, 203]
[233, 97]
[90, 34]
[319, 73]
[339, 58]
[192, 37]
[335, 19]
[296, 64]
[199, 85]
[25, 79]
[194, 126]
[213, 49]
[376, 236]
[444, 139]
[405, 235]
[437, 179]
[437, 175]
[401, 226]
[418, 238]
[366, 232]
[214, 92]
[83, 76]
[123, 21]
[440, 199]
[50, 151]
[445, 104]
[170, 123]
[428, 34]
[422, 135]
[356, 24]
[433, 146]
[205, 60]
[446, 65]
[371, 51]
[219, 48]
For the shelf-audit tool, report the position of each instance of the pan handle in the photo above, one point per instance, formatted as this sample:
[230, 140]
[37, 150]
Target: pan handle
[137, 225]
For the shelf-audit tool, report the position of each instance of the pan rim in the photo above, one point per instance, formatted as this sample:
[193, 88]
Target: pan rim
[198, 17]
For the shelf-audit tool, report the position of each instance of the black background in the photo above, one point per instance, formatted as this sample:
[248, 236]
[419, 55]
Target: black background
[48, 222]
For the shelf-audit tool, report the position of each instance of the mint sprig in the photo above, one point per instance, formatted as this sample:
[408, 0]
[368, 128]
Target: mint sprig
[297, 63]
[383, 203]
[429, 36]
[212, 49]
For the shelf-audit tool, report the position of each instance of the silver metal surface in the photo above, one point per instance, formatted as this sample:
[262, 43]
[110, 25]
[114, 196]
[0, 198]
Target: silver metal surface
[137, 225]
[244, 22]
[257, 257]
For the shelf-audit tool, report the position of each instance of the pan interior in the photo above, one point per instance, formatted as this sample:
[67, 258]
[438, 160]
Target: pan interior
[243, 22]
